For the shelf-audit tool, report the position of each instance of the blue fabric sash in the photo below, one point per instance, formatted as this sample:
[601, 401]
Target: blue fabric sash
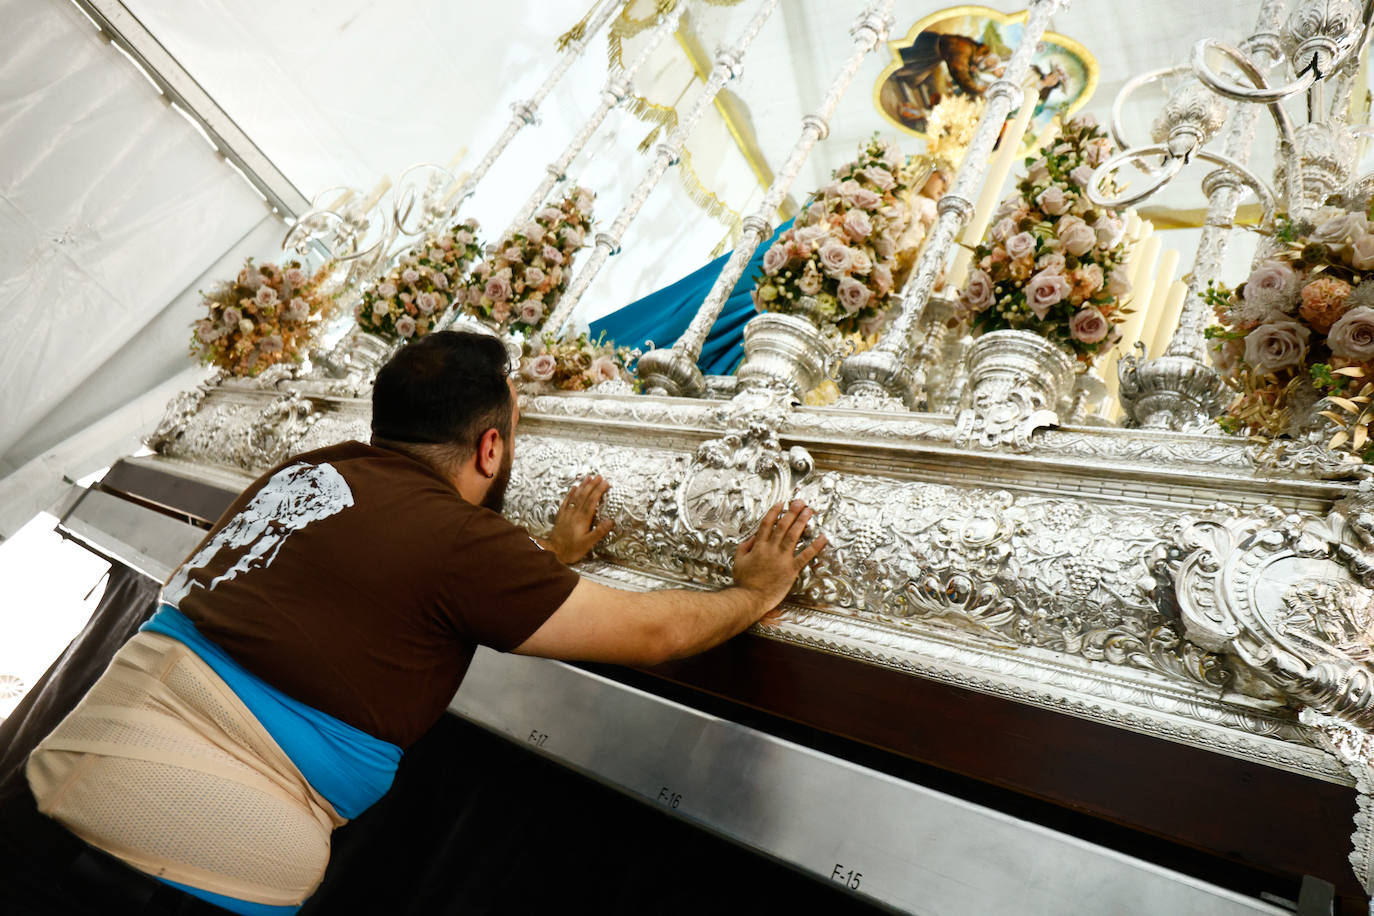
[662, 316]
[346, 765]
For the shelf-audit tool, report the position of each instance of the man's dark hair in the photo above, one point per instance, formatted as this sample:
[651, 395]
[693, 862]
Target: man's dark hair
[445, 389]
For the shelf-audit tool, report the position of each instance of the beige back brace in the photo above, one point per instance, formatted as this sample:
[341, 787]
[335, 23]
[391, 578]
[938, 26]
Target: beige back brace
[163, 767]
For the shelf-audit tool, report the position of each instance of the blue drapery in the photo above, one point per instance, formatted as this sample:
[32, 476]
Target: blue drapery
[663, 315]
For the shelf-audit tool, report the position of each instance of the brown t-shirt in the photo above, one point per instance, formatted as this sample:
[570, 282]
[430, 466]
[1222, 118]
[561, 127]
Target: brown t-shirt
[355, 579]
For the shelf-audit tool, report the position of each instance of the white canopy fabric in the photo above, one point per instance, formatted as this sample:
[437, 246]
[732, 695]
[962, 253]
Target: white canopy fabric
[114, 210]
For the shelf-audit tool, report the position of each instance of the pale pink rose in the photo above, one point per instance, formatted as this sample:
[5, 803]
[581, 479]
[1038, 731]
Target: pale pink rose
[1082, 175]
[862, 263]
[463, 237]
[1062, 149]
[1109, 231]
[1052, 263]
[1097, 150]
[1053, 200]
[501, 311]
[882, 279]
[440, 280]
[1082, 122]
[232, 316]
[1088, 325]
[405, 326]
[551, 254]
[547, 214]
[380, 310]
[774, 259]
[534, 276]
[1352, 337]
[294, 275]
[250, 277]
[896, 212]
[572, 238]
[836, 258]
[1010, 206]
[1362, 252]
[425, 303]
[1021, 245]
[1003, 229]
[1045, 290]
[811, 235]
[857, 224]
[879, 177]
[298, 310]
[856, 195]
[266, 296]
[1277, 345]
[435, 254]
[603, 369]
[883, 246]
[207, 331]
[532, 231]
[1039, 171]
[245, 326]
[1337, 231]
[852, 294]
[386, 289]
[1118, 284]
[584, 199]
[810, 281]
[530, 311]
[444, 242]
[1077, 237]
[978, 292]
[498, 289]
[271, 344]
[511, 254]
[1272, 286]
[541, 367]
[410, 275]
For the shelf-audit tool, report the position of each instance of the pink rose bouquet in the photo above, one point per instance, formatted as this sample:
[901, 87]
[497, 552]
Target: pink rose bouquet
[525, 274]
[410, 298]
[1303, 317]
[576, 364]
[266, 315]
[839, 261]
[1053, 262]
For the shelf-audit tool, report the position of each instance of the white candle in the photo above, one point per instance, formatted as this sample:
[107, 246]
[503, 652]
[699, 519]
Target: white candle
[382, 187]
[1142, 284]
[347, 195]
[1132, 225]
[1168, 318]
[457, 158]
[993, 179]
[1159, 293]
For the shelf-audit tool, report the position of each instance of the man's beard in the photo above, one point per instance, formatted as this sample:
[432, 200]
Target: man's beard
[495, 500]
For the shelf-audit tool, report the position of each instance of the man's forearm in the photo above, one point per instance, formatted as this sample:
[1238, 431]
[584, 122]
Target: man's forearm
[696, 621]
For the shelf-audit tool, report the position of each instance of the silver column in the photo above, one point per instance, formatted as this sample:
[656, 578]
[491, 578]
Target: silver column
[674, 369]
[886, 372]
[1179, 389]
[523, 113]
[728, 63]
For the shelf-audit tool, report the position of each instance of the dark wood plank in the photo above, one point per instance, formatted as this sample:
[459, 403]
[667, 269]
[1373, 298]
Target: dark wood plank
[195, 500]
[1245, 812]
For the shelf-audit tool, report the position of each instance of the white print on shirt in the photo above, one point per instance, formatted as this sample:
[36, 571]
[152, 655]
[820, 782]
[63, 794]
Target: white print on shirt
[291, 499]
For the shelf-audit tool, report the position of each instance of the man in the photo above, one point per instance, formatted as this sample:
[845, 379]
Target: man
[322, 627]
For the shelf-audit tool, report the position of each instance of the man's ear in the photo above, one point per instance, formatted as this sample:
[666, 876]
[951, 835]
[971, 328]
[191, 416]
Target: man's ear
[489, 449]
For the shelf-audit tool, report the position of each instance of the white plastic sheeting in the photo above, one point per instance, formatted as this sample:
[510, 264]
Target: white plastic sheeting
[111, 206]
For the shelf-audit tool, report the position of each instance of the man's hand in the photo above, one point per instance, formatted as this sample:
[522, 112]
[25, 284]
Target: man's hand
[573, 535]
[767, 564]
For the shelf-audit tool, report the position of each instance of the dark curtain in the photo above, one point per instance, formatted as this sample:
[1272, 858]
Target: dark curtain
[130, 598]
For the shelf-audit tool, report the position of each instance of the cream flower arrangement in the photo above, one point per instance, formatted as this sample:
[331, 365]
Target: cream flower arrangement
[576, 364]
[836, 264]
[1303, 319]
[408, 300]
[266, 315]
[526, 273]
[1053, 262]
